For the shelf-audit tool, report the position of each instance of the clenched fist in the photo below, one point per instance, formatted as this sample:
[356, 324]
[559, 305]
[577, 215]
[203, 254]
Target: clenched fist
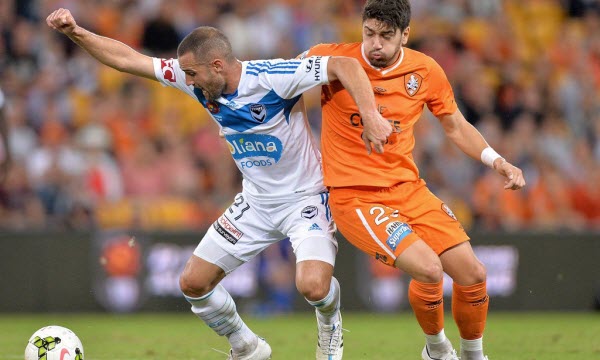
[62, 20]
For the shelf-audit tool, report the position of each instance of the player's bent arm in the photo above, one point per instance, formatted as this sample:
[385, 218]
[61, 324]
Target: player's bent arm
[350, 73]
[353, 77]
[472, 143]
[108, 51]
[463, 134]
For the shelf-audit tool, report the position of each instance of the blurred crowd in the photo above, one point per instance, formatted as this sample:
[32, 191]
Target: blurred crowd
[93, 148]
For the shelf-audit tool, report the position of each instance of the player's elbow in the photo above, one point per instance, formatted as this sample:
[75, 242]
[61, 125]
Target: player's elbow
[339, 66]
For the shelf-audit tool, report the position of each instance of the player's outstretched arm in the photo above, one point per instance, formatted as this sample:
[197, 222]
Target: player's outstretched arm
[351, 74]
[472, 143]
[108, 51]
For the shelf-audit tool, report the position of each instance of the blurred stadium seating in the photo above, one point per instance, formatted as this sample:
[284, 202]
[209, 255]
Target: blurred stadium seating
[97, 149]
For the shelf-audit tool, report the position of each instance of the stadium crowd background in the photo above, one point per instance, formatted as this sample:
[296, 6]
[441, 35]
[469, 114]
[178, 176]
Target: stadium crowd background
[93, 148]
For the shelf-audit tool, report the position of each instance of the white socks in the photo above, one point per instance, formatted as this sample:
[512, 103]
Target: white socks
[327, 308]
[471, 349]
[218, 311]
[438, 345]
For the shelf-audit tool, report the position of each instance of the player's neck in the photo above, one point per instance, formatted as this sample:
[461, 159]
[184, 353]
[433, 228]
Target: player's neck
[233, 77]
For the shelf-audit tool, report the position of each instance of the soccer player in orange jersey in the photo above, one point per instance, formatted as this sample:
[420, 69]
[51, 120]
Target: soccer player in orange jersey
[378, 200]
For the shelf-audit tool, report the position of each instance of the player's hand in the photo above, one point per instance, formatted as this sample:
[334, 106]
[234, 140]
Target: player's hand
[376, 131]
[62, 20]
[514, 176]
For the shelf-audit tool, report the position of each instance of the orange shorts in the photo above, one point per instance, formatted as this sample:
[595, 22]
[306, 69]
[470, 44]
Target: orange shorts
[383, 222]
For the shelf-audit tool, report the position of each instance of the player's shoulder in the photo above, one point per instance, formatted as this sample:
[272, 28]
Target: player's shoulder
[417, 57]
[271, 66]
[339, 49]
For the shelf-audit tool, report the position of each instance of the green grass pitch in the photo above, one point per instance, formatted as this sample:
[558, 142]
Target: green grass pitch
[509, 336]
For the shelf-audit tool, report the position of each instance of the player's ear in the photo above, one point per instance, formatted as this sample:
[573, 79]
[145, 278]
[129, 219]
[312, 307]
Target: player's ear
[217, 64]
[405, 34]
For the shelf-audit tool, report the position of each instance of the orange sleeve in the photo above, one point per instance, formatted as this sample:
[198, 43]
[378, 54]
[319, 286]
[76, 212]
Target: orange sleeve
[440, 99]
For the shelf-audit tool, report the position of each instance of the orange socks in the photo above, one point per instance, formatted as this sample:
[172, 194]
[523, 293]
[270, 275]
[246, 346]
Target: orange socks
[469, 308]
[427, 302]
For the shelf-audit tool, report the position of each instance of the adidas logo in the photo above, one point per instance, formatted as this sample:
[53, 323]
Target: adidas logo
[314, 227]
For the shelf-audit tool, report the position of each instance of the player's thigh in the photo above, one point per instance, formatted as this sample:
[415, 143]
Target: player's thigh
[370, 224]
[310, 228]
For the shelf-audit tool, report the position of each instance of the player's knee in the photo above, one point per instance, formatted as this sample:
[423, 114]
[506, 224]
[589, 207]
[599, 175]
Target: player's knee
[313, 288]
[472, 274]
[430, 273]
[479, 273]
[194, 287]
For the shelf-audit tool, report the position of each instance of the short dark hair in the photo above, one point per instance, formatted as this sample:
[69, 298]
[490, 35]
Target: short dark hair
[206, 43]
[393, 13]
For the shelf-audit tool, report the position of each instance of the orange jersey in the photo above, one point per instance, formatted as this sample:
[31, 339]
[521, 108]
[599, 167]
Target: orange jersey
[401, 91]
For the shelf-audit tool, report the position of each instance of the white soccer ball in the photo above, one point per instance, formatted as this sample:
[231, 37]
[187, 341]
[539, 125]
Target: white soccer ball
[54, 343]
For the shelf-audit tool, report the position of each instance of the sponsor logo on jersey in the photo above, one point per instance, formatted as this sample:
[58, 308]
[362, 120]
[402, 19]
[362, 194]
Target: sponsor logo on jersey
[242, 146]
[309, 65]
[258, 112]
[412, 83]
[379, 90]
[227, 230]
[167, 69]
[314, 226]
[310, 212]
[447, 210]
[401, 230]
[317, 69]
[213, 107]
[391, 227]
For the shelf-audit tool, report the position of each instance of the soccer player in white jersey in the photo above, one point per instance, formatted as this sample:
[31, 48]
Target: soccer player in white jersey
[259, 108]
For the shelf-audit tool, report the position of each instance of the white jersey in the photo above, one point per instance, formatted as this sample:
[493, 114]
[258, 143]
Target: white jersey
[265, 124]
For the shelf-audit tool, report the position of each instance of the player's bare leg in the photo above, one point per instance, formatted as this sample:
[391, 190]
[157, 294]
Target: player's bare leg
[315, 281]
[425, 294]
[210, 301]
[469, 298]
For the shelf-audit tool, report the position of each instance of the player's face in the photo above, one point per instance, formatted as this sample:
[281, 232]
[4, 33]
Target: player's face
[202, 76]
[382, 43]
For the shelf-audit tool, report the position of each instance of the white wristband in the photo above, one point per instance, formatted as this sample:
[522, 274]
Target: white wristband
[488, 156]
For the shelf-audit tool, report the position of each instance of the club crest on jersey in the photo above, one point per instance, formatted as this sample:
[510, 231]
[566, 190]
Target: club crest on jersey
[258, 112]
[243, 146]
[310, 212]
[212, 107]
[447, 210]
[412, 83]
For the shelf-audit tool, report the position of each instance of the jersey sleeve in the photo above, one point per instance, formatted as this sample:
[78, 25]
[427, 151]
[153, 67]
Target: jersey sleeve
[441, 102]
[291, 78]
[168, 73]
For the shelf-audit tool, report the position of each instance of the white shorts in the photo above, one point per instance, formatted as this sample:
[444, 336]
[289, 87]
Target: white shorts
[247, 227]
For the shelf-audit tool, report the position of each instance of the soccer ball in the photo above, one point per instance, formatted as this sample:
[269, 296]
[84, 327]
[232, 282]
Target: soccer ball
[54, 343]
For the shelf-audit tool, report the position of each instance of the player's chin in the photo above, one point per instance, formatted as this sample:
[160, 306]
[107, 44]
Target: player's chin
[378, 62]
